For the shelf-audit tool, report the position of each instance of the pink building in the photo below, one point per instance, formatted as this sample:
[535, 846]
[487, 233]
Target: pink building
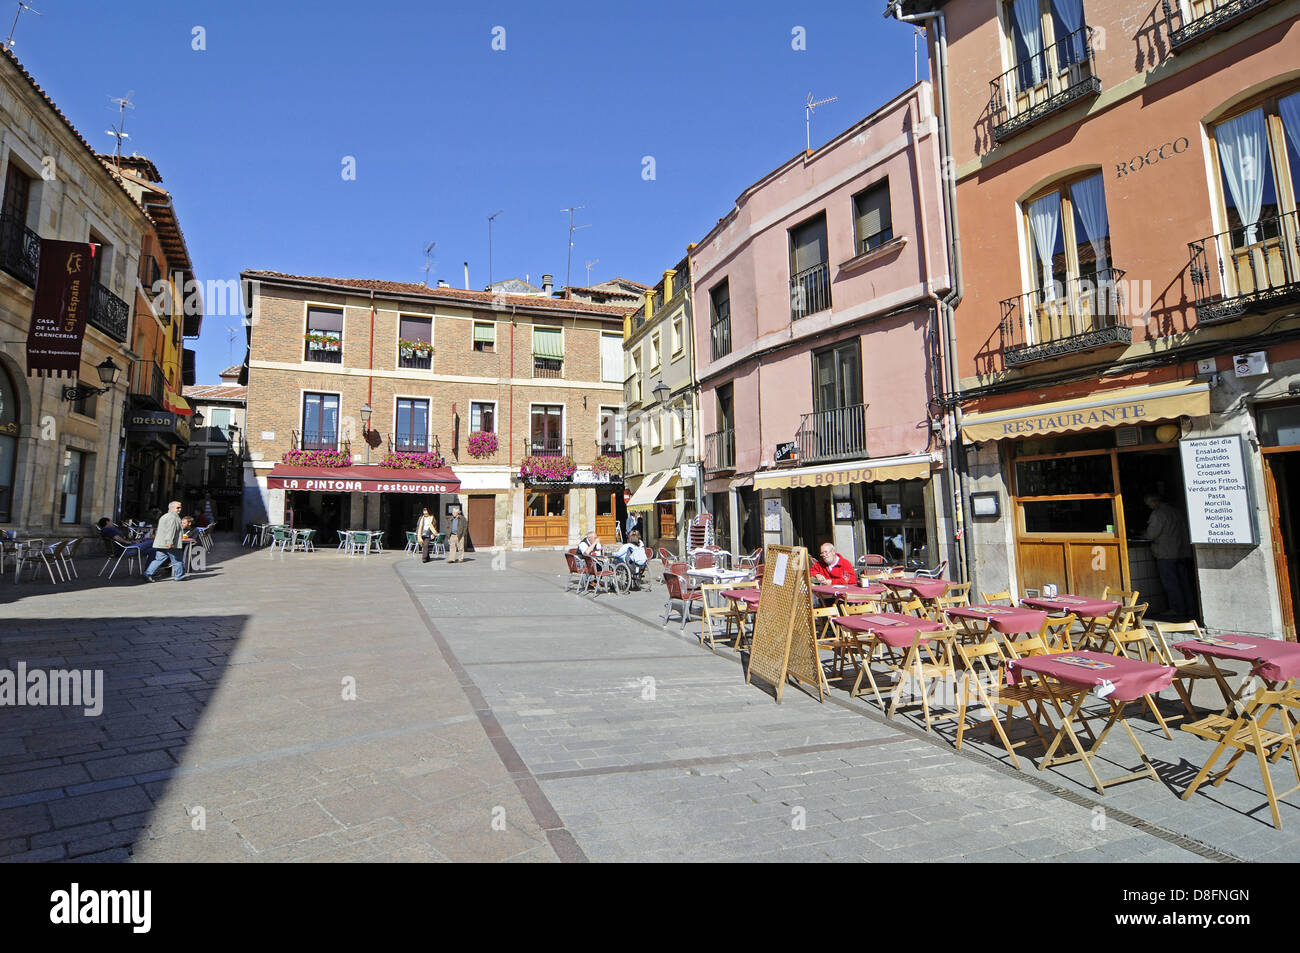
[818, 347]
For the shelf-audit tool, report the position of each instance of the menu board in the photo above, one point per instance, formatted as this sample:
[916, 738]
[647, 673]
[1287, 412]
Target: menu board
[1218, 500]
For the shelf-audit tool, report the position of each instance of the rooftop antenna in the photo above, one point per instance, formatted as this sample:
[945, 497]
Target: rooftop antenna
[118, 132]
[230, 343]
[9, 43]
[490, 219]
[591, 262]
[572, 228]
[428, 259]
[916, 68]
[808, 108]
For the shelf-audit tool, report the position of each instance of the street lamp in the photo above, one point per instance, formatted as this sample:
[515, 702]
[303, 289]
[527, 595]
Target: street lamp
[661, 391]
[107, 375]
[366, 411]
[198, 419]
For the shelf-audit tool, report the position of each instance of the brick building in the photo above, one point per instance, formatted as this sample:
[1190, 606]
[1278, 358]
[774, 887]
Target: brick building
[374, 368]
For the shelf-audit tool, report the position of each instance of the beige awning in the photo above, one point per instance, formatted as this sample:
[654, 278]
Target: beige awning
[1126, 407]
[644, 496]
[914, 467]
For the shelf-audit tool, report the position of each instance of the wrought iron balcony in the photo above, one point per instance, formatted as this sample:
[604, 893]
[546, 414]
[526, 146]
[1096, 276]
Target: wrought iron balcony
[325, 351]
[1244, 270]
[1208, 17]
[720, 331]
[1076, 315]
[415, 360]
[548, 366]
[148, 381]
[108, 312]
[720, 451]
[810, 291]
[20, 250]
[836, 434]
[1062, 74]
[548, 447]
[412, 443]
[319, 440]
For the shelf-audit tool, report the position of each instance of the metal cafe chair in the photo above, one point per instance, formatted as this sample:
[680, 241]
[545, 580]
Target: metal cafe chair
[412, 543]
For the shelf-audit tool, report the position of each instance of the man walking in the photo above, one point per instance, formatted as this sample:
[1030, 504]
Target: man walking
[456, 537]
[167, 543]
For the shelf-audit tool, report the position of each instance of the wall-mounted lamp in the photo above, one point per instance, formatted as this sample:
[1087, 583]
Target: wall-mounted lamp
[107, 375]
[197, 419]
[366, 411]
[661, 391]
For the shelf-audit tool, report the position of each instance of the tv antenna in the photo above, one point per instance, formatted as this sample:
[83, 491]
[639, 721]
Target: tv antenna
[490, 220]
[118, 132]
[9, 43]
[428, 260]
[808, 108]
[572, 228]
[230, 343]
[916, 69]
[591, 263]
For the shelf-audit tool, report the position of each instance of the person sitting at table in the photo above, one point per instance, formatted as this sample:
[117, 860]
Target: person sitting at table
[632, 551]
[590, 545]
[110, 530]
[833, 568]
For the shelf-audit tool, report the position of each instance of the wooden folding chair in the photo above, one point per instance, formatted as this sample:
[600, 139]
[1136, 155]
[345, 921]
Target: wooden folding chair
[980, 674]
[1186, 670]
[913, 607]
[929, 660]
[1127, 636]
[997, 598]
[720, 609]
[938, 606]
[1247, 734]
[1056, 632]
[1126, 597]
[958, 590]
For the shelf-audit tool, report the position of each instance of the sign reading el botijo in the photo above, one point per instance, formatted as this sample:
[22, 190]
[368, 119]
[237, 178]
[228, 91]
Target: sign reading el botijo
[60, 308]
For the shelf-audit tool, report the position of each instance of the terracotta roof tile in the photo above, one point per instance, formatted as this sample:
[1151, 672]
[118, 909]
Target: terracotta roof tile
[216, 392]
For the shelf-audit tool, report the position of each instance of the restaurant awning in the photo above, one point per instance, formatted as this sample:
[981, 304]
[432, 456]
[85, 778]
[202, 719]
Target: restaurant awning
[1125, 407]
[912, 467]
[362, 479]
[644, 496]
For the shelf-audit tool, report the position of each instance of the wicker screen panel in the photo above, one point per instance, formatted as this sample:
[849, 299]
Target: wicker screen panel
[784, 643]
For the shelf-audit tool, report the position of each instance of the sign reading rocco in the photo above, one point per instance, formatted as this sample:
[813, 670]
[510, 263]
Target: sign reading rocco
[60, 308]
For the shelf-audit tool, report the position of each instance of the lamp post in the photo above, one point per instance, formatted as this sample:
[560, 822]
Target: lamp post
[661, 391]
[107, 371]
[366, 411]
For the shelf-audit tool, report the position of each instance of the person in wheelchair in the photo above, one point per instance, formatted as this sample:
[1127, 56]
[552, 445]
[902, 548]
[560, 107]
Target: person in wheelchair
[633, 553]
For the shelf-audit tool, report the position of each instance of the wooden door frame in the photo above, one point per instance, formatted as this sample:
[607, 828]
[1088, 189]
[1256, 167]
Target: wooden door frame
[1281, 564]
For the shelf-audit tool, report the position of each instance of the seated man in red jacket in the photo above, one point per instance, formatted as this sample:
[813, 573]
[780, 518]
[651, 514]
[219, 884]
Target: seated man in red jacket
[833, 568]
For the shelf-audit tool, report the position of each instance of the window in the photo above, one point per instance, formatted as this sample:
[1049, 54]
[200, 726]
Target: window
[324, 335]
[219, 417]
[655, 351]
[548, 352]
[414, 342]
[482, 417]
[1069, 238]
[1257, 190]
[810, 276]
[485, 336]
[611, 430]
[102, 253]
[634, 391]
[74, 467]
[679, 424]
[548, 429]
[656, 429]
[1047, 37]
[17, 198]
[611, 357]
[837, 426]
[8, 443]
[320, 422]
[679, 339]
[720, 319]
[411, 432]
[86, 405]
[872, 222]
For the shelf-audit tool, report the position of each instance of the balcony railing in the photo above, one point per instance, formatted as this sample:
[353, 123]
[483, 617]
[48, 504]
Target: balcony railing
[721, 334]
[1058, 76]
[327, 352]
[834, 434]
[148, 380]
[548, 447]
[414, 360]
[720, 451]
[810, 291]
[319, 440]
[20, 250]
[1076, 315]
[412, 443]
[547, 367]
[108, 312]
[1209, 16]
[1243, 270]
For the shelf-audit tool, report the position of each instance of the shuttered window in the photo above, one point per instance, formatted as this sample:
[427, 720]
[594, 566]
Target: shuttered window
[548, 343]
[872, 222]
[611, 357]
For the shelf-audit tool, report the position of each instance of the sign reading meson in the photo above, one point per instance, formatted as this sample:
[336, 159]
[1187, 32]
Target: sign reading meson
[60, 308]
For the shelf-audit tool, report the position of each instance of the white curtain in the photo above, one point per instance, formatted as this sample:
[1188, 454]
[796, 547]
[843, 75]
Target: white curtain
[1030, 22]
[1289, 107]
[1243, 153]
[1070, 13]
[1089, 197]
[1044, 222]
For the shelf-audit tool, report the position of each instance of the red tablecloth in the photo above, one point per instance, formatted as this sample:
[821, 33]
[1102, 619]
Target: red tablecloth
[895, 630]
[1005, 619]
[848, 593]
[749, 596]
[1080, 605]
[925, 588]
[1274, 661]
[1131, 678]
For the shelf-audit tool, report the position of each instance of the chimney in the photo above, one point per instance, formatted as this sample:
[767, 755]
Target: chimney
[442, 283]
[467, 276]
[547, 280]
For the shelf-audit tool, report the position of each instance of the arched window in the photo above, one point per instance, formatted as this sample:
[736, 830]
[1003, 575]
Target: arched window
[8, 442]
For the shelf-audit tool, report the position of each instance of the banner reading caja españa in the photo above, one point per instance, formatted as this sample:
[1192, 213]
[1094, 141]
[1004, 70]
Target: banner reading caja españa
[59, 310]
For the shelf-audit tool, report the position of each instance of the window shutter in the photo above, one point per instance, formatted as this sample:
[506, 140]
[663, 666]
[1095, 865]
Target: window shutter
[548, 343]
[873, 212]
[611, 357]
[416, 329]
[320, 319]
[485, 333]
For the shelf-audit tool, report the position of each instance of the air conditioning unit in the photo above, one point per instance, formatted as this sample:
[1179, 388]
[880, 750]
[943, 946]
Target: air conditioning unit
[1128, 436]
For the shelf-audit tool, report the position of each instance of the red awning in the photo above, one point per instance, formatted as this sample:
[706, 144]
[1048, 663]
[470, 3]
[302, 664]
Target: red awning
[362, 479]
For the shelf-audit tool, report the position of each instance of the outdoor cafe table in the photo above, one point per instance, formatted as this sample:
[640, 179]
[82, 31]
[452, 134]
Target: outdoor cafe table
[846, 593]
[1119, 681]
[1090, 611]
[921, 588]
[744, 602]
[896, 631]
[1006, 620]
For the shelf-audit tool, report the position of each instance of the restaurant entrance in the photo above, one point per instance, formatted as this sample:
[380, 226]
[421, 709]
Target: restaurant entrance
[546, 517]
[1278, 426]
[810, 516]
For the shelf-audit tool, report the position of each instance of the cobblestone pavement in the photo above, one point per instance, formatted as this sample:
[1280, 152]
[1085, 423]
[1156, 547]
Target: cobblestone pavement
[499, 717]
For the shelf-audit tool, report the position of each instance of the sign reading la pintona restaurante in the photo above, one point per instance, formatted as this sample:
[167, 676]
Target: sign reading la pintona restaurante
[1218, 500]
[60, 308]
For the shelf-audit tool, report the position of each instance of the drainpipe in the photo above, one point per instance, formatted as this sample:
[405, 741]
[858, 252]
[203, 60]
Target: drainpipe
[956, 460]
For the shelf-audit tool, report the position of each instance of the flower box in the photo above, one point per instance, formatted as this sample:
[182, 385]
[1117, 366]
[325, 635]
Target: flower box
[415, 348]
[547, 469]
[317, 458]
[322, 342]
[608, 464]
[482, 444]
[413, 461]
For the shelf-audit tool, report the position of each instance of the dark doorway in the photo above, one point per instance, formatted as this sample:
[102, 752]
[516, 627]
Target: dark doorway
[482, 522]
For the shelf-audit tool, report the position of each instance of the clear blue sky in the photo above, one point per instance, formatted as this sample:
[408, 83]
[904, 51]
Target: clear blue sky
[250, 134]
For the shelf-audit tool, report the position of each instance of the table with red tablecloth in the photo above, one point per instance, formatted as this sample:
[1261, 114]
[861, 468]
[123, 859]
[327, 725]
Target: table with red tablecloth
[846, 593]
[1089, 610]
[1119, 681]
[897, 632]
[1005, 620]
[921, 588]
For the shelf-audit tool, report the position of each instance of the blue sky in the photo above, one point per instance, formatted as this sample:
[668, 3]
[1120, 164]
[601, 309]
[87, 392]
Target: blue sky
[250, 133]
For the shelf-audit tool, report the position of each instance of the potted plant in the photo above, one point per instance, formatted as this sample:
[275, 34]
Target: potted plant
[607, 463]
[317, 458]
[414, 348]
[482, 444]
[323, 340]
[413, 461]
[547, 469]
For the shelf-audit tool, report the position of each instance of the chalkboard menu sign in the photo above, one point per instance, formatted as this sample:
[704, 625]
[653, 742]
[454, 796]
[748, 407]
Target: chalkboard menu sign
[1218, 499]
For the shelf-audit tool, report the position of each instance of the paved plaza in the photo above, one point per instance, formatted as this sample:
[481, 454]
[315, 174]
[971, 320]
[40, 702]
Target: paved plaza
[325, 707]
